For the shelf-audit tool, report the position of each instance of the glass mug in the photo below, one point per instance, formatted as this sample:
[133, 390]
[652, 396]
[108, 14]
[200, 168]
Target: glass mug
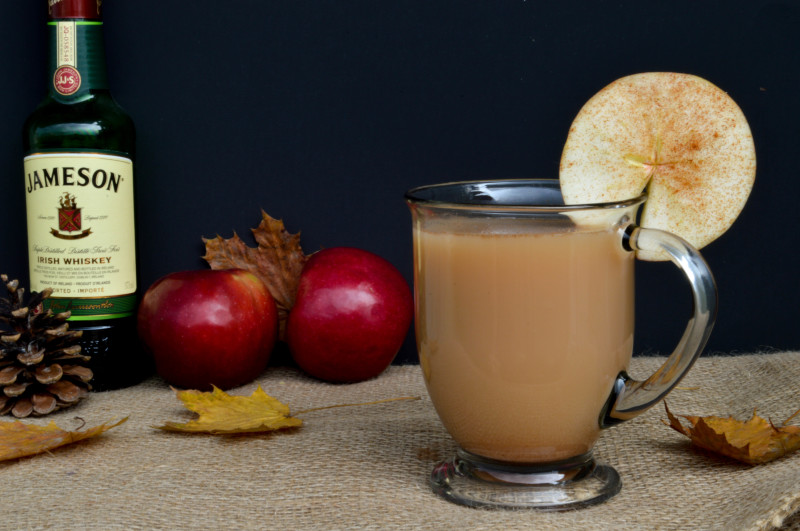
[524, 312]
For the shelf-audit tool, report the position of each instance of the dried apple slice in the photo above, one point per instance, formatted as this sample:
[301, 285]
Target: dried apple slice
[676, 135]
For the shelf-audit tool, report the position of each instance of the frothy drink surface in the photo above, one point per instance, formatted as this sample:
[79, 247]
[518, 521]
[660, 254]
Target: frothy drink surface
[521, 336]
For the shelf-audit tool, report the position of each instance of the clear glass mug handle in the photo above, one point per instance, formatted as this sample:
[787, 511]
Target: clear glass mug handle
[629, 397]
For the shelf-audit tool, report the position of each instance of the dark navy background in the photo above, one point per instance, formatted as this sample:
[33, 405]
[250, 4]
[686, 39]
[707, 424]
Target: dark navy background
[323, 113]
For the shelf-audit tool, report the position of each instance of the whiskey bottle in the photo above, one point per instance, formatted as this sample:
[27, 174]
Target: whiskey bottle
[79, 187]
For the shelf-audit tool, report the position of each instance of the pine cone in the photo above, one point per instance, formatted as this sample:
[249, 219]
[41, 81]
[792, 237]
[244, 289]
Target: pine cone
[41, 365]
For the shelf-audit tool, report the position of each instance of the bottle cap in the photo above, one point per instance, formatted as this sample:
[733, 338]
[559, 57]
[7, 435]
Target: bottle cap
[68, 9]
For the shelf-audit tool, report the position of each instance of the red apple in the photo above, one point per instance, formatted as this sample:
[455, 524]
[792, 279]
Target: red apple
[209, 327]
[351, 315]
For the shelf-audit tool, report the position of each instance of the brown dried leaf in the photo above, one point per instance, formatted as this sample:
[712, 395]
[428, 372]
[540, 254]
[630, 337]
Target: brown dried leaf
[754, 442]
[221, 413]
[277, 261]
[18, 439]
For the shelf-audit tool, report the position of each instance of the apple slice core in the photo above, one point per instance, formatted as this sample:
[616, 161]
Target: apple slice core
[677, 136]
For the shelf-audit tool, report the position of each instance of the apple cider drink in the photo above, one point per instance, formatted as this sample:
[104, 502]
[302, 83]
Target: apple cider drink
[521, 335]
[524, 287]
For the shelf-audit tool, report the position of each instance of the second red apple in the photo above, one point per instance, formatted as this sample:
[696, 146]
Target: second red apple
[352, 312]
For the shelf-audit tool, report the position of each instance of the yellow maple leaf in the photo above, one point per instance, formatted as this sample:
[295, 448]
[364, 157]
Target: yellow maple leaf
[755, 441]
[18, 439]
[219, 412]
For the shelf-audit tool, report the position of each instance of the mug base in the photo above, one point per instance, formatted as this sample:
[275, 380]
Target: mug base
[475, 481]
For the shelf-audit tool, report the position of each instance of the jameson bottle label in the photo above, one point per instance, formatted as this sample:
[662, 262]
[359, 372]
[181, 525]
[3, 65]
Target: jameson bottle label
[80, 232]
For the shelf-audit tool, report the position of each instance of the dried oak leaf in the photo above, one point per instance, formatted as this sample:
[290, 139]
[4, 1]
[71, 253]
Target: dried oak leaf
[220, 413]
[18, 439]
[278, 260]
[754, 442]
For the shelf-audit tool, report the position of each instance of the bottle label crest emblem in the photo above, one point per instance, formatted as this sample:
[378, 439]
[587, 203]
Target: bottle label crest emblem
[69, 220]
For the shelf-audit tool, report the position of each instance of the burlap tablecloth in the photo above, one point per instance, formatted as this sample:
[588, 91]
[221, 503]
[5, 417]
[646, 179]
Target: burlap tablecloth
[367, 467]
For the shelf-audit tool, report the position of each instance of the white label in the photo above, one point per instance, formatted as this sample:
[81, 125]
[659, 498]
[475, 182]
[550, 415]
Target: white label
[81, 226]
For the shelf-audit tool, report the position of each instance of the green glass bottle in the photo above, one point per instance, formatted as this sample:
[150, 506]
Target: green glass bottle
[79, 187]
